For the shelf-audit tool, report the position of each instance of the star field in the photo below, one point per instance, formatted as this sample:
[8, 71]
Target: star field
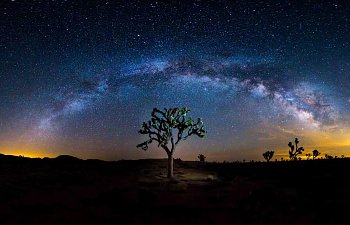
[80, 77]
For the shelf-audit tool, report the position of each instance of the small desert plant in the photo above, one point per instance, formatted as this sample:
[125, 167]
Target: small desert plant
[315, 153]
[268, 155]
[308, 155]
[177, 160]
[328, 156]
[201, 158]
[295, 150]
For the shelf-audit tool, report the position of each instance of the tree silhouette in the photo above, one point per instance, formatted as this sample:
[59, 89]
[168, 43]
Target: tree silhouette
[168, 128]
[308, 155]
[295, 150]
[315, 153]
[268, 155]
[201, 158]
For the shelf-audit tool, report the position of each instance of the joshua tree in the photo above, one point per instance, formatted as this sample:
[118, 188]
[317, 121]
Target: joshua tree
[315, 153]
[295, 150]
[168, 128]
[201, 158]
[308, 155]
[268, 155]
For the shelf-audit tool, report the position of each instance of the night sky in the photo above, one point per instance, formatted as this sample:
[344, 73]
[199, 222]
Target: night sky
[80, 77]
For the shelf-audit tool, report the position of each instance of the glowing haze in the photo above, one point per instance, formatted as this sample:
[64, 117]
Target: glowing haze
[80, 78]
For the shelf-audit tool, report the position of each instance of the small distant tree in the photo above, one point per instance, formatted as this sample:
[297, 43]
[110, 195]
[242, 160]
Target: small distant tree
[308, 155]
[168, 127]
[315, 154]
[295, 150]
[201, 158]
[268, 155]
[342, 156]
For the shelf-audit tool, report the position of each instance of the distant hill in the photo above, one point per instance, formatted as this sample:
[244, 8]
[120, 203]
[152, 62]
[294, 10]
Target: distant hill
[67, 158]
[61, 159]
[12, 158]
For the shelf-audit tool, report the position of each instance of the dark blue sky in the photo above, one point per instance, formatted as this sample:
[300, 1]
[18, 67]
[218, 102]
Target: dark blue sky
[79, 77]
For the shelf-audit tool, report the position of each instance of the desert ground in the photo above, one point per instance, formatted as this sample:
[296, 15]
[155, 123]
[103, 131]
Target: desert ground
[67, 190]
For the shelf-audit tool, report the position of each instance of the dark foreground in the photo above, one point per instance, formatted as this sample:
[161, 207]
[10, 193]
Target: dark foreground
[67, 191]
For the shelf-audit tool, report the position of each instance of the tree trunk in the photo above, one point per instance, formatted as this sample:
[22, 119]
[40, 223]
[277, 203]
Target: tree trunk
[170, 166]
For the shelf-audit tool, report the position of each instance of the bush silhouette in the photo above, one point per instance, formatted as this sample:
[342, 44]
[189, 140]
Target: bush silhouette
[168, 128]
[268, 155]
[295, 150]
[328, 156]
[201, 158]
[315, 153]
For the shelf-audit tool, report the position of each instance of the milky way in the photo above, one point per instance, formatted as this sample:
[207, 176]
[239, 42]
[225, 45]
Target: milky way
[80, 78]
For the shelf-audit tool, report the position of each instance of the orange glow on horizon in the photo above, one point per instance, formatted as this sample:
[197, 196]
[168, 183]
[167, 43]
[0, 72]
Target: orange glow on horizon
[335, 144]
[26, 153]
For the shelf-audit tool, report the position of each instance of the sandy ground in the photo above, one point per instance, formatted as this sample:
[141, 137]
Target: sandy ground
[138, 192]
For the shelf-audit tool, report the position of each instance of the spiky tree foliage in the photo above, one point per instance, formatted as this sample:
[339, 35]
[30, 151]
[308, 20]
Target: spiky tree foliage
[268, 155]
[167, 128]
[201, 157]
[315, 154]
[295, 150]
